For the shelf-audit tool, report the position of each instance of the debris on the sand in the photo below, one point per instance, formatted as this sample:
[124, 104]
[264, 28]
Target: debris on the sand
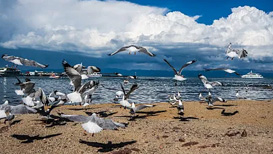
[189, 144]
[181, 140]
[207, 146]
[230, 134]
[244, 133]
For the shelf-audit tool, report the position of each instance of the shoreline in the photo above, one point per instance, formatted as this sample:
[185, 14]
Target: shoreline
[155, 130]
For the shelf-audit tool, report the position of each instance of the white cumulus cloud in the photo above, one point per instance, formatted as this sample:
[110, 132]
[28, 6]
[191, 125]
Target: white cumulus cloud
[98, 27]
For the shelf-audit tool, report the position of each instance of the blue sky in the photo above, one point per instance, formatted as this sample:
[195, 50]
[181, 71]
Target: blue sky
[208, 9]
[180, 31]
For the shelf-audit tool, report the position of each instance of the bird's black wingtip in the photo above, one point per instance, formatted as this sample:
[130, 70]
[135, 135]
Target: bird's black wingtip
[109, 54]
[46, 66]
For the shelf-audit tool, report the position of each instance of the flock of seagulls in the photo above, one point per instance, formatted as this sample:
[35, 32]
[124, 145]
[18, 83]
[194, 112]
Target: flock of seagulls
[35, 101]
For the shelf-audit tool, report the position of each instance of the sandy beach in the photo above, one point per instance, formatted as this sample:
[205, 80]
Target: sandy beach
[155, 130]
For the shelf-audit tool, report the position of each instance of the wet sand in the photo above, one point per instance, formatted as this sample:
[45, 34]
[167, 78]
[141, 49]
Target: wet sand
[155, 130]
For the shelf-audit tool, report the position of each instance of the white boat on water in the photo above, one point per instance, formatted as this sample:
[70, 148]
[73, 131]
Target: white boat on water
[9, 71]
[252, 75]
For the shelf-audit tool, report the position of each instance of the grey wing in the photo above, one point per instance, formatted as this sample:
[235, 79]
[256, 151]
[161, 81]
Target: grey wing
[133, 88]
[88, 85]
[76, 118]
[105, 123]
[185, 65]
[218, 99]
[175, 72]
[73, 75]
[33, 63]
[41, 95]
[216, 83]
[203, 78]
[22, 109]
[140, 107]
[243, 53]
[120, 50]
[78, 68]
[213, 69]
[92, 69]
[27, 87]
[123, 89]
[144, 50]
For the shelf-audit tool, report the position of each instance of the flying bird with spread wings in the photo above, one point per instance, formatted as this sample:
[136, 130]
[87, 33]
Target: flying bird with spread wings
[232, 53]
[133, 48]
[22, 61]
[177, 74]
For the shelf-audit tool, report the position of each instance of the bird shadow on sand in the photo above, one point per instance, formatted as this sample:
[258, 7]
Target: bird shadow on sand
[101, 113]
[181, 118]
[83, 108]
[151, 113]
[224, 113]
[53, 121]
[15, 122]
[133, 118]
[226, 105]
[30, 139]
[215, 108]
[148, 114]
[107, 147]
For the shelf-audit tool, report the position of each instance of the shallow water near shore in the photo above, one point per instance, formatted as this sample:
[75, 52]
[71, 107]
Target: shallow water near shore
[151, 89]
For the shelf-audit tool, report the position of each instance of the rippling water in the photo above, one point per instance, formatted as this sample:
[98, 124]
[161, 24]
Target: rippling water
[151, 89]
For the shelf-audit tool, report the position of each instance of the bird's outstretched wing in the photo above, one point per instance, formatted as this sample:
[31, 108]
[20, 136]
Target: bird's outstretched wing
[73, 75]
[121, 49]
[133, 88]
[144, 50]
[76, 118]
[242, 53]
[185, 65]
[175, 72]
[140, 107]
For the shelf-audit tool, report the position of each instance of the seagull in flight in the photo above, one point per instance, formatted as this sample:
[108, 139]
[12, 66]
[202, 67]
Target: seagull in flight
[222, 69]
[94, 124]
[209, 84]
[210, 100]
[177, 74]
[232, 53]
[124, 102]
[133, 48]
[80, 90]
[22, 61]
[134, 109]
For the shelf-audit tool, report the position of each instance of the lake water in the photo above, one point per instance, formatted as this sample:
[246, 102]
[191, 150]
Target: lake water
[151, 89]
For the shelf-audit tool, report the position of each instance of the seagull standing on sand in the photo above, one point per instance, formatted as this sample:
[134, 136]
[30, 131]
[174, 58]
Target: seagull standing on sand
[201, 98]
[177, 74]
[22, 61]
[209, 85]
[180, 107]
[93, 124]
[133, 48]
[232, 53]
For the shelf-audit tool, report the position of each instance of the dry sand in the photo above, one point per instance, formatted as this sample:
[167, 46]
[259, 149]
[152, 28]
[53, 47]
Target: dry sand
[154, 131]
